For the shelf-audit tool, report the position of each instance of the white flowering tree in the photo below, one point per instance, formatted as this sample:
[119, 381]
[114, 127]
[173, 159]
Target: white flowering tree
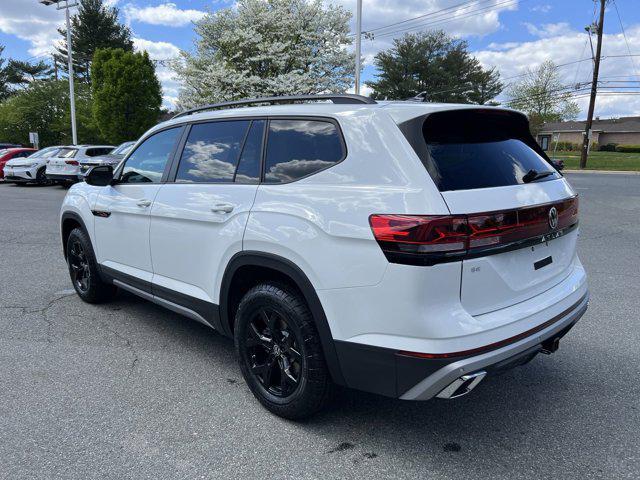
[267, 48]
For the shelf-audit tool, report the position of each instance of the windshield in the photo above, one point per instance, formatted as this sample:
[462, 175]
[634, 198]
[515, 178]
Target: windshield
[122, 149]
[45, 152]
[67, 152]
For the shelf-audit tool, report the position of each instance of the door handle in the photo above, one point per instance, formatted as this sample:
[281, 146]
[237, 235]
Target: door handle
[144, 203]
[222, 208]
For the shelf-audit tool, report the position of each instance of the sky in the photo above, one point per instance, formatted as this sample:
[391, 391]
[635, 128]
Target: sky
[511, 35]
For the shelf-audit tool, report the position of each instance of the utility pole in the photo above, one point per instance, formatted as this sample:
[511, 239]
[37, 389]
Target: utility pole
[65, 4]
[594, 89]
[358, 44]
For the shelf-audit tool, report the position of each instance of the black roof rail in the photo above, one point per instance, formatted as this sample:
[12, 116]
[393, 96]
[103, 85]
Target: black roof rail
[341, 98]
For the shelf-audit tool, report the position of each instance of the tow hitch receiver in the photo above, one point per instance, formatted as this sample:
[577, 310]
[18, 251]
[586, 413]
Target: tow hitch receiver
[551, 345]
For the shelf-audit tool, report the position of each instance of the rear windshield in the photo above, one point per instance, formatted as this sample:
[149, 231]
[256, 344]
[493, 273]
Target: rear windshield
[469, 149]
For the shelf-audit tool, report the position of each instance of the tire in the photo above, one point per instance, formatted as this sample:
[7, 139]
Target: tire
[279, 352]
[83, 269]
[41, 178]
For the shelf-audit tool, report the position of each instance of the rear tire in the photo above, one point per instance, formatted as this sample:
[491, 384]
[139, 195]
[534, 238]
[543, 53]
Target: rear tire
[279, 352]
[83, 269]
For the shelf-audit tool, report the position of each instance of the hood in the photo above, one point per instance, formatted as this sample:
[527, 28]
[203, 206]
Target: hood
[21, 162]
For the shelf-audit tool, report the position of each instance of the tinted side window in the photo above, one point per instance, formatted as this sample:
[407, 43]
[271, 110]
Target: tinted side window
[147, 163]
[212, 151]
[297, 148]
[248, 170]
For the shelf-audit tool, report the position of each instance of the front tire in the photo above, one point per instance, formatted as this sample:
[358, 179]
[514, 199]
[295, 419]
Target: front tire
[83, 269]
[279, 352]
[41, 177]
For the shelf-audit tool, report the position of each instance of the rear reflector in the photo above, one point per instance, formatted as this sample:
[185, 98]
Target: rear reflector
[426, 240]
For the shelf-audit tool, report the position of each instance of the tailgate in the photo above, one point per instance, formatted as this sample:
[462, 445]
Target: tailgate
[496, 281]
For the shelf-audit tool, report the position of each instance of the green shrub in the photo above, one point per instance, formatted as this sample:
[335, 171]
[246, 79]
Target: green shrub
[628, 148]
[566, 146]
[608, 147]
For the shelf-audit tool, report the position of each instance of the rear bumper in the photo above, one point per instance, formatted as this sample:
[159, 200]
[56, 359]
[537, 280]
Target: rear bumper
[391, 373]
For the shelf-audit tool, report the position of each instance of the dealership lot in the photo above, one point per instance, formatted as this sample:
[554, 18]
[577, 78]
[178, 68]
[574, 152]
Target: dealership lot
[128, 389]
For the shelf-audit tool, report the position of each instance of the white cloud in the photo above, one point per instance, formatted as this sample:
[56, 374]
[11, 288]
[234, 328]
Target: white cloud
[457, 20]
[542, 8]
[167, 14]
[548, 29]
[514, 58]
[33, 22]
[157, 50]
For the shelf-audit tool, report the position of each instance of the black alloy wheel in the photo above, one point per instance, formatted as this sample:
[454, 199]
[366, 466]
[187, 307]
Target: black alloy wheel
[79, 267]
[274, 353]
[279, 351]
[84, 271]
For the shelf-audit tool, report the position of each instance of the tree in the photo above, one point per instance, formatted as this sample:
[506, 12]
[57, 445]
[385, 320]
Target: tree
[22, 72]
[43, 107]
[435, 65]
[267, 48]
[5, 88]
[542, 96]
[94, 26]
[126, 93]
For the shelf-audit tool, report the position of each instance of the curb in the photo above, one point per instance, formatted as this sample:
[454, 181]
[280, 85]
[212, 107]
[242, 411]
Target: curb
[605, 172]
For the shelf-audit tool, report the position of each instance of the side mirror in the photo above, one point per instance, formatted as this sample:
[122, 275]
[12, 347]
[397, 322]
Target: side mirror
[99, 176]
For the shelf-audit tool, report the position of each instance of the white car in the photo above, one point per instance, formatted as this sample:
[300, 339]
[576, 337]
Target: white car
[406, 249]
[65, 166]
[30, 169]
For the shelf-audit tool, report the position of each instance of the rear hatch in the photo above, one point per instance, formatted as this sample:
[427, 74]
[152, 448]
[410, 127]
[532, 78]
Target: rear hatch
[521, 214]
[64, 163]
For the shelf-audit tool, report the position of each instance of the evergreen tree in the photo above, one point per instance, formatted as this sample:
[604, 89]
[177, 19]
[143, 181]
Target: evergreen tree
[126, 94]
[435, 66]
[5, 87]
[94, 26]
[267, 47]
[22, 72]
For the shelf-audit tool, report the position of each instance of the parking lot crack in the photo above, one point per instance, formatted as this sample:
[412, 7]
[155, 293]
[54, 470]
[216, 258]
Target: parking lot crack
[129, 346]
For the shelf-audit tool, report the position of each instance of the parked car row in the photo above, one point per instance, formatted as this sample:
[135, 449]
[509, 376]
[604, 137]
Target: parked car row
[57, 164]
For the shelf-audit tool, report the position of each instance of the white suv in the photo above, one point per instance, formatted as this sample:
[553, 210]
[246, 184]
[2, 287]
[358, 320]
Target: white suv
[30, 169]
[65, 166]
[406, 249]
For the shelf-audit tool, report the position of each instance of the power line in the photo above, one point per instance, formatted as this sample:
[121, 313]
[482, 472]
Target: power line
[441, 21]
[429, 14]
[624, 34]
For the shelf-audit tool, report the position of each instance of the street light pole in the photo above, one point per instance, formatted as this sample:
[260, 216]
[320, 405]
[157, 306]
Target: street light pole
[72, 97]
[358, 44]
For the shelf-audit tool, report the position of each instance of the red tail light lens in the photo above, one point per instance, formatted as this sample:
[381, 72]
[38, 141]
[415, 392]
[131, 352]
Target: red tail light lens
[420, 234]
[425, 240]
[71, 162]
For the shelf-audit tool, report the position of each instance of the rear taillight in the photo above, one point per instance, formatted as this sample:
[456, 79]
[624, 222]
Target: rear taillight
[426, 240]
[71, 162]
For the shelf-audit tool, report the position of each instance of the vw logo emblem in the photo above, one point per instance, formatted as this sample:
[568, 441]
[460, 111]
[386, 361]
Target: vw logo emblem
[553, 218]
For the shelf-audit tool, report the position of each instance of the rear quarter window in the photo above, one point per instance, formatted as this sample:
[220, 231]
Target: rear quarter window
[471, 149]
[297, 148]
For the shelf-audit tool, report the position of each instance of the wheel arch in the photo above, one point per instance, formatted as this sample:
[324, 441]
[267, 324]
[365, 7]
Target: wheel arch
[277, 268]
[68, 222]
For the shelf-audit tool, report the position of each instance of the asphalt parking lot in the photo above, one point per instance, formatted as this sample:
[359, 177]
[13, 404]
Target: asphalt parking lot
[130, 390]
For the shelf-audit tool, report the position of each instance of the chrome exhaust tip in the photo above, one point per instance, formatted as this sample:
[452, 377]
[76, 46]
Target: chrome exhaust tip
[462, 385]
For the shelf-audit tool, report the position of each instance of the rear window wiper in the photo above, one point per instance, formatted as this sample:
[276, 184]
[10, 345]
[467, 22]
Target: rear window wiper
[533, 175]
